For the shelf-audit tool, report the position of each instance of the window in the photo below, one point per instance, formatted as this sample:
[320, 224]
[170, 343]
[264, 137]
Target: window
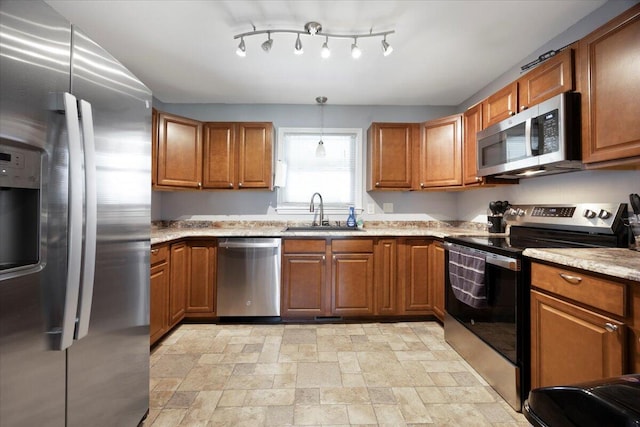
[337, 176]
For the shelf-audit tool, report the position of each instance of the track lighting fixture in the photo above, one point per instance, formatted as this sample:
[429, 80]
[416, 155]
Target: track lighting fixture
[386, 47]
[266, 46]
[241, 50]
[311, 29]
[298, 48]
[325, 52]
[355, 50]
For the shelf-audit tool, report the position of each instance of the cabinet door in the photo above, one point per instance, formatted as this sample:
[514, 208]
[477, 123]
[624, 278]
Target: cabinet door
[414, 272]
[179, 151]
[610, 86]
[501, 105]
[440, 152]
[386, 289]
[436, 278]
[570, 344]
[304, 289]
[389, 151]
[178, 282]
[154, 146]
[255, 155]
[219, 156]
[547, 80]
[158, 302]
[352, 284]
[202, 279]
[472, 125]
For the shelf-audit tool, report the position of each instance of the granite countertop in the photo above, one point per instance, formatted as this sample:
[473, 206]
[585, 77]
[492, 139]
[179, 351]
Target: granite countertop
[252, 229]
[616, 262]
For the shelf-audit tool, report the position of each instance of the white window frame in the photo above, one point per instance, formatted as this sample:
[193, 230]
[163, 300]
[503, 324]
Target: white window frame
[282, 208]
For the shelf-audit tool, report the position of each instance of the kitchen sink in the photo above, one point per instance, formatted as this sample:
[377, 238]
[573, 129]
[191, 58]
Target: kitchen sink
[322, 228]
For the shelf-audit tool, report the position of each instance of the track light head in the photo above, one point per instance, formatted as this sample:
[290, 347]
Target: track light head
[355, 50]
[241, 51]
[266, 46]
[298, 48]
[386, 47]
[325, 52]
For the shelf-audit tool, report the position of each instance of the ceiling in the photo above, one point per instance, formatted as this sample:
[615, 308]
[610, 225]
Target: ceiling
[444, 51]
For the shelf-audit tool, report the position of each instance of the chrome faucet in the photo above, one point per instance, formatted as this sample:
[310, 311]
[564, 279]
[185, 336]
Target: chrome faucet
[311, 209]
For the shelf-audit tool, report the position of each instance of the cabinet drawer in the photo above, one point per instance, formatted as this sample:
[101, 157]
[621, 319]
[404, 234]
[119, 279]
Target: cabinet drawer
[159, 254]
[352, 245]
[599, 293]
[304, 246]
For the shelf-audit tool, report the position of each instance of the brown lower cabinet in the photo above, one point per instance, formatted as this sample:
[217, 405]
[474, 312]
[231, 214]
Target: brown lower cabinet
[159, 293]
[201, 284]
[366, 277]
[579, 327]
[178, 283]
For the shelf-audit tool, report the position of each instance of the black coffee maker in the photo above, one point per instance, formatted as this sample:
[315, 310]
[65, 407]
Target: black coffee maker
[495, 221]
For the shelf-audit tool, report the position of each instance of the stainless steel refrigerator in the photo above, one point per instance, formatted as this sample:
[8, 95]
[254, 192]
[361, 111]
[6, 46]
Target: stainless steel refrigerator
[75, 200]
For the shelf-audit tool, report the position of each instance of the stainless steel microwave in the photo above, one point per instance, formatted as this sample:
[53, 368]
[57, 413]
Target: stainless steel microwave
[542, 140]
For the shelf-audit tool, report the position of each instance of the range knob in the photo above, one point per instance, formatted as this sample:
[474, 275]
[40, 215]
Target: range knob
[588, 213]
[604, 214]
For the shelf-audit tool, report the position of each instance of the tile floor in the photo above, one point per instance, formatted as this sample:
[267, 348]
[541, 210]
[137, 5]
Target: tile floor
[392, 374]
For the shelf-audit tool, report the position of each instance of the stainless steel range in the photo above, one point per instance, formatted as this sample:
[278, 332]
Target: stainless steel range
[488, 281]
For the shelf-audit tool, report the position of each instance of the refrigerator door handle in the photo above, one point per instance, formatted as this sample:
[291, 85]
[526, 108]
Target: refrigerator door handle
[74, 251]
[90, 221]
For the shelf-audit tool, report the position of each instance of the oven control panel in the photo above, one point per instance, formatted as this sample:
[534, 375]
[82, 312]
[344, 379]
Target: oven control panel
[601, 218]
[553, 211]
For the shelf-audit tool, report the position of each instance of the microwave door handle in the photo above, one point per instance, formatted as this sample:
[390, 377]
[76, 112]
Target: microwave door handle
[91, 214]
[527, 137]
[74, 239]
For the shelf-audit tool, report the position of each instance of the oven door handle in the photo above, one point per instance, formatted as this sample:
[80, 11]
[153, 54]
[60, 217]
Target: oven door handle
[501, 261]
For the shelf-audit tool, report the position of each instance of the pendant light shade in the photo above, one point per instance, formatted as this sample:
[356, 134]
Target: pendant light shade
[266, 46]
[325, 52]
[386, 47]
[355, 50]
[320, 150]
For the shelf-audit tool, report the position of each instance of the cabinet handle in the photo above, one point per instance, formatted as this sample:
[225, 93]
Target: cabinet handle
[324, 257]
[240, 184]
[422, 185]
[334, 257]
[231, 184]
[610, 327]
[512, 113]
[199, 185]
[574, 280]
[377, 184]
[523, 107]
[155, 251]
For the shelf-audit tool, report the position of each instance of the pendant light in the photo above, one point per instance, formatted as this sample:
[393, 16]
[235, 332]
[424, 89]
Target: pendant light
[320, 150]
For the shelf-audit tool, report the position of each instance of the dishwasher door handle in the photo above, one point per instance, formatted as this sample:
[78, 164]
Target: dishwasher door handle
[248, 245]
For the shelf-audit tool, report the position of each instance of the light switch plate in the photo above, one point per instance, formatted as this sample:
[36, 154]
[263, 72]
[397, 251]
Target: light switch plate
[387, 207]
[371, 208]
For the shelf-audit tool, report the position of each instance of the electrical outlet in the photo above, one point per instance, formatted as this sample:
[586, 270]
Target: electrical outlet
[387, 207]
[371, 208]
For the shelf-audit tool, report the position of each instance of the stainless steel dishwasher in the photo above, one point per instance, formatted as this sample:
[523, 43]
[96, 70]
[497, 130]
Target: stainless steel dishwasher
[248, 277]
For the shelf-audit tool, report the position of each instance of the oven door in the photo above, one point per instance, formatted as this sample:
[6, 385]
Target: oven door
[496, 324]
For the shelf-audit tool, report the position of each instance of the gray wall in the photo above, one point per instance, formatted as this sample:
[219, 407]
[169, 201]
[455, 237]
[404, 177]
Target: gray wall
[585, 186]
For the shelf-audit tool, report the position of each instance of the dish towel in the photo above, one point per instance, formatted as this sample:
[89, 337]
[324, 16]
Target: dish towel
[466, 274]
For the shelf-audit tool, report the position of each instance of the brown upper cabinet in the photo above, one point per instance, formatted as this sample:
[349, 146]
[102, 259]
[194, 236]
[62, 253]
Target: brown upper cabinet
[238, 155]
[500, 105]
[179, 162]
[189, 154]
[389, 154]
[552, 77]
[472, 124]
[440, 159]
[608, 64]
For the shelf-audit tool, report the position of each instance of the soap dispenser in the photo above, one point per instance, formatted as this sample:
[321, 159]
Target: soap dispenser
[351, 220]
